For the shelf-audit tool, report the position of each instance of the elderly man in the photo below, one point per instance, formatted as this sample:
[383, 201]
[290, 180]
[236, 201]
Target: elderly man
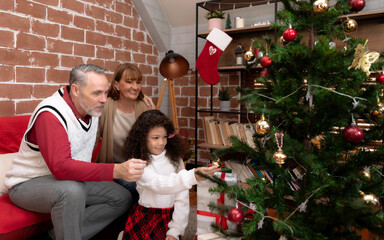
[53, 172]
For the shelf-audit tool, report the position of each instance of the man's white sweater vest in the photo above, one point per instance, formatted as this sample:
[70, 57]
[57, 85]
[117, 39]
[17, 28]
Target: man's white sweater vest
[30, 164]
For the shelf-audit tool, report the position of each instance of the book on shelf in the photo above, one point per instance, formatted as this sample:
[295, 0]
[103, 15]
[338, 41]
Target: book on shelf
[217, 132]
[224, 133]
[214, 131]
[248, 171]
[296, 172]
[243, 171]
[256, 172]
[228, 129]
[206, 129]
[235, 130]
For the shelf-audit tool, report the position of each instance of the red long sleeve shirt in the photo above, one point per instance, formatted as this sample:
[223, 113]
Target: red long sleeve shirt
[49, 134]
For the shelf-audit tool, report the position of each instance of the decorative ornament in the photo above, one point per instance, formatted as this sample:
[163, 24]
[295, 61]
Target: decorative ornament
[260, 55]
[283, 41]
[262, 126]
[364, 175]
[217, 162]
[255, 51]
[235, 215]
[349, 25]
[253, 59]
[238, 55]
[250, 214]
[279, 156]
[378, 113]
[353, 134]
[289, 34]
[371, 199]
[356, 5]
[264, 73]
[380, 78]
[320, 6]
[363, 59]
[265, 61]
[248, 55]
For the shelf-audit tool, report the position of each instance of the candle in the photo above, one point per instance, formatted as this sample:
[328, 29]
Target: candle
[239, 22]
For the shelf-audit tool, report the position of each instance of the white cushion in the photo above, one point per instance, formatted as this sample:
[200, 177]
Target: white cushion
[120, 237]
[5, 165]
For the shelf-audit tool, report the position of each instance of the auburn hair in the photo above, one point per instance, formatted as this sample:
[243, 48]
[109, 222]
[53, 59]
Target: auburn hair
[132, 72]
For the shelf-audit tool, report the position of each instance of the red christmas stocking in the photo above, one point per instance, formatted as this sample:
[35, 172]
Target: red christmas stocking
[206, 63]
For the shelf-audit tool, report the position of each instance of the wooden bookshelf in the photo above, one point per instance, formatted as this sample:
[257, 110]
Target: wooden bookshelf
[212, 146]
[244, 30]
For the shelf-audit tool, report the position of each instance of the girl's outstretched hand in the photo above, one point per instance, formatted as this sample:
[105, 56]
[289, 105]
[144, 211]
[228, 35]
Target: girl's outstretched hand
[207, 171]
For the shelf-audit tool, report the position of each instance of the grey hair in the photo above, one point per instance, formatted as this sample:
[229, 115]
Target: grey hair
[77, 75]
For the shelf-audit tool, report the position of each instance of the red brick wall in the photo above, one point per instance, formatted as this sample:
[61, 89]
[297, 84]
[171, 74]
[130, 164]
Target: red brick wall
[41, 40]
[185, 101]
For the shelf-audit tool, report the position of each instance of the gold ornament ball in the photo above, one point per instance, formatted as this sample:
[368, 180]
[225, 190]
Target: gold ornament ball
[262, 126]
[320, 6]
[248, 55]
[283, 41]
[349, 25]
[217, 163]
[378, 113]
[279, 157]
[372, 200]
[365, 175]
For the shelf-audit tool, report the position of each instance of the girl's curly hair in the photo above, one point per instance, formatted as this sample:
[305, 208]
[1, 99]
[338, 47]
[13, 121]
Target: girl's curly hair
[136, 143]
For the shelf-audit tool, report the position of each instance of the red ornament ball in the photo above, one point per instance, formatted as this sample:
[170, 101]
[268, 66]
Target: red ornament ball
[264, 73]
[380, 78]
[289, 34]
[353, 134]
[265, 61]
[235, 215]
[356, 5]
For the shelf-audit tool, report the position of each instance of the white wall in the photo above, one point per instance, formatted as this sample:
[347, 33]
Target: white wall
[157, 25]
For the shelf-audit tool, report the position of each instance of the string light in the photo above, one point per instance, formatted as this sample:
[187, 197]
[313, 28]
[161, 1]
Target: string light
[355, 102]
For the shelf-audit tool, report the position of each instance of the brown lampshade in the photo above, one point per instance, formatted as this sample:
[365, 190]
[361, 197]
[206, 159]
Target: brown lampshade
[173, 65]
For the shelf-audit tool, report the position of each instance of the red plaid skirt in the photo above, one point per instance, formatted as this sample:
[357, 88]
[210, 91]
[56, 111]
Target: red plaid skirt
[147, 223]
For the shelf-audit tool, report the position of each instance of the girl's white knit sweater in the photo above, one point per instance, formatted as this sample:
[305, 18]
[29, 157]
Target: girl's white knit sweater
[163, 186]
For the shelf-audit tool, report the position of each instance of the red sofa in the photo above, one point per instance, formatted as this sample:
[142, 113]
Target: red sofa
[19, 224]
[16, 223]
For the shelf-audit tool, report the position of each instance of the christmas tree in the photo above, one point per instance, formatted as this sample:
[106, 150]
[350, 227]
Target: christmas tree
[319, 140]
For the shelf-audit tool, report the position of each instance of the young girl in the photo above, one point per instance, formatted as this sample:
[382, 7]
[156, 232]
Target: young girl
[163, 207]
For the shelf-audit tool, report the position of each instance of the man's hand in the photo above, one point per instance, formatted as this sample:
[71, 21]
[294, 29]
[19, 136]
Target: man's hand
[130, 170]
[207, 171]
[169, 237]
[148, 101]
